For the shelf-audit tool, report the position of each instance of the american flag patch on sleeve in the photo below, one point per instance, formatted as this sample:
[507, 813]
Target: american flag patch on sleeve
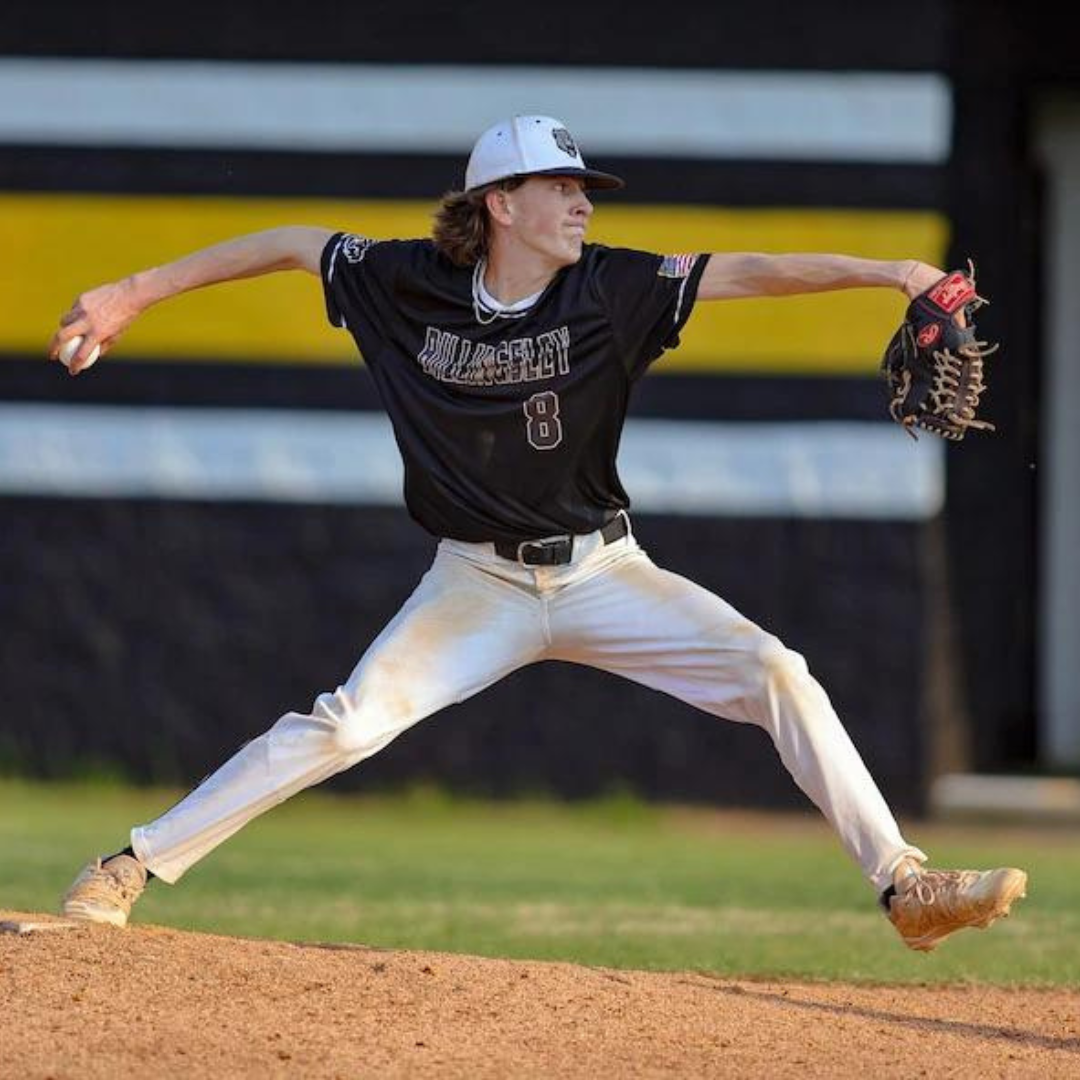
[676, 266]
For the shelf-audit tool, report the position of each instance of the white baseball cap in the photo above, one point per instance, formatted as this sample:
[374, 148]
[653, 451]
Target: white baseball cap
[530, 146]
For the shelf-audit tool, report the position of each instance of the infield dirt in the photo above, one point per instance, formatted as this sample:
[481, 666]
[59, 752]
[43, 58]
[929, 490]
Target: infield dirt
[147, 1001]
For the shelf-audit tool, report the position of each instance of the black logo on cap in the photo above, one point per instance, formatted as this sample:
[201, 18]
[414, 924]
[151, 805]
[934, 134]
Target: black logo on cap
[565, 141]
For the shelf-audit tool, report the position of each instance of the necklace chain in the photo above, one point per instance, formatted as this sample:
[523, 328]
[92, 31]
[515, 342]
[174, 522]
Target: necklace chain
[480, 309]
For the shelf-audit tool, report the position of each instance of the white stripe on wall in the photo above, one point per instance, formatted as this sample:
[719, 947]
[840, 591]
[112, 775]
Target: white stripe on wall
[819, 470]
[856, 116]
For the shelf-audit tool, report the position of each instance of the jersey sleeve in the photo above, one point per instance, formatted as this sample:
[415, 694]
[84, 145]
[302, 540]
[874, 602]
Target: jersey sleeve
[648, 299]
[359, 277]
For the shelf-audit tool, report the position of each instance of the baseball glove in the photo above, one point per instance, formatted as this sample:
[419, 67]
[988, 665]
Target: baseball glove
[934, 367]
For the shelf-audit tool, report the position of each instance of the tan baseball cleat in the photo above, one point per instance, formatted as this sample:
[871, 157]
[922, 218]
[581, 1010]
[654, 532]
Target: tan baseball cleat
[105, 892]
[929, 905]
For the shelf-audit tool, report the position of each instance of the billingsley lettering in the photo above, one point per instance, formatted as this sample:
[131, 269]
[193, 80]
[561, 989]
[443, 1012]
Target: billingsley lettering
[454, 359]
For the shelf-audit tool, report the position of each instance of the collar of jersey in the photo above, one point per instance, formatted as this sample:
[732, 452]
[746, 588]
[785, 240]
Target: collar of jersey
[484, 304]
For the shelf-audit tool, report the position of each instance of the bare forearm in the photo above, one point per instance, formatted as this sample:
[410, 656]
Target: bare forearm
[292, 247]
[101, 315]
[745, 274]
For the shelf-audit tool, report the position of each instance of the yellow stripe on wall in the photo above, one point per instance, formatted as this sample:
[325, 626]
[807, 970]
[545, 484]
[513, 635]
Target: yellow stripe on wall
[56, 246]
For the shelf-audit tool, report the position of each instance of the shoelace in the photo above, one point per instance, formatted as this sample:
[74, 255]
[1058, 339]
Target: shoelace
[924, 891]
[106, 883]
[932, 887]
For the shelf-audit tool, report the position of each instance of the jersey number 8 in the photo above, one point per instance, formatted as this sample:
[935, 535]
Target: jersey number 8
[542, 424]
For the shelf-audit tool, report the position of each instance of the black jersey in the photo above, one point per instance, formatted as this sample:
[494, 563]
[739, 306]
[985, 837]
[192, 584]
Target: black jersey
[508, 423]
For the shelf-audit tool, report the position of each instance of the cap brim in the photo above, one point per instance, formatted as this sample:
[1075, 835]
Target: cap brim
[593, 177]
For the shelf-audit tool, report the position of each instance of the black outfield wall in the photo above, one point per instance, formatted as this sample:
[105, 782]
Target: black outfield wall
[162, 635]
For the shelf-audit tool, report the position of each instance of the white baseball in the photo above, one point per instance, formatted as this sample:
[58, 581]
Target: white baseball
[70, 348]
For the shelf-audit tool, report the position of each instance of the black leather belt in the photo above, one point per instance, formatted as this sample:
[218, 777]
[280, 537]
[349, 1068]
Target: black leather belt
[556, 550]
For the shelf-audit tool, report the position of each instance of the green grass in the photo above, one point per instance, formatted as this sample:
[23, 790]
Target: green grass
[614, 883]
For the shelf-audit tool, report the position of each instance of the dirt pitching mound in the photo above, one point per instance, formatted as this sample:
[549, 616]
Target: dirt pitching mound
[98, 1002]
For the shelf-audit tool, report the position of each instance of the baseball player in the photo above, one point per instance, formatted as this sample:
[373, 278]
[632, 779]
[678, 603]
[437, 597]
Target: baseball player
[505, 349]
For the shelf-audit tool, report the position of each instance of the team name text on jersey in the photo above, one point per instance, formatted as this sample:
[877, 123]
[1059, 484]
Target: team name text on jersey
[453, 359]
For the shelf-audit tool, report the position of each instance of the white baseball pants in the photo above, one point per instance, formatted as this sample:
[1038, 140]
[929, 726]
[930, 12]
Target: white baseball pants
[476, 617]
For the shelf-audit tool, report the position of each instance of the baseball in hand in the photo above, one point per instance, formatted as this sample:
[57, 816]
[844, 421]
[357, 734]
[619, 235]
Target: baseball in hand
[70, 348]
